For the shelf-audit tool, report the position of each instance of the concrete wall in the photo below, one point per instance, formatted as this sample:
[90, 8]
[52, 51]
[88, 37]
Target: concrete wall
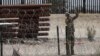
[81, 24]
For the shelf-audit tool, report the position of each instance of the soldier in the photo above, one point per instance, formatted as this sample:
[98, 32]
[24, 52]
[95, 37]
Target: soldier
[70, 32]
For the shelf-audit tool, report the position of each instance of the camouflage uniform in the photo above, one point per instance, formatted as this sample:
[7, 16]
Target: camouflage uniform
[70, 33]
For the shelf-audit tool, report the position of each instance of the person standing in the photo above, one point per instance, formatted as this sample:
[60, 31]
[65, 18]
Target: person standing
[70, 38]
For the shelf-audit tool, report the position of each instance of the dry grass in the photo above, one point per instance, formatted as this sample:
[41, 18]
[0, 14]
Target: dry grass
[82, 47]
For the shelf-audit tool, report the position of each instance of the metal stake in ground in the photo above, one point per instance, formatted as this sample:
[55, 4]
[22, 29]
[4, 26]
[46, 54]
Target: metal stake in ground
[2, 26]
[58, 40]
[1, 49]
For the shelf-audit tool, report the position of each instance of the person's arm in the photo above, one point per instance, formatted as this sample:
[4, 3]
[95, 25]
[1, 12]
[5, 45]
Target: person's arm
[76, 15]
[66, 20]
[67, 16]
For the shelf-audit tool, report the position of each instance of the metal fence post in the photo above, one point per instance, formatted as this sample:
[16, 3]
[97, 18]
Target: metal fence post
[64, 5]
[84, 6]
[58, 40]
[99, 6]
[0, 2]
[1, 45]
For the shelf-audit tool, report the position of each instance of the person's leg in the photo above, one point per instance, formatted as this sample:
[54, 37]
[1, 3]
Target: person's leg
[72, 45]
[67, 41]
[68, 50]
